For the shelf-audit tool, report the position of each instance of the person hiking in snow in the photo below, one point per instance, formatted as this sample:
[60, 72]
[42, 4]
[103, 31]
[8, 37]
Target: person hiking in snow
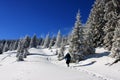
[67, 58]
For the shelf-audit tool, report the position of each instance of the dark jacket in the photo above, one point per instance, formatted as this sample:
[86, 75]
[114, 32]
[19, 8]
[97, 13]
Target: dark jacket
[67, 56]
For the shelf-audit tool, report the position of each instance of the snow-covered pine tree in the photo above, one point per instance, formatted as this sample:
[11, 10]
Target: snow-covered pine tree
[62, 49]
[58, 40]
[76, 48]
[33, 42]
[69, 38]
[116, 44]
[39, 41]
[96, 22]
[88, 40]
[52, 42]
[2, 42]
[25, 53]
[20, 57]
[112, 10]
[20, 48]
[26, 41]
[11, 45]
[42, 43]
[15, 45]
[5, 48]
[89, 31]
[1, 47]
[47, 41]
[65, 40]
[22, 51]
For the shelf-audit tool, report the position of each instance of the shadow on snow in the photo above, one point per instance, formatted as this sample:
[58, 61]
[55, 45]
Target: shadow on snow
[96, 55]
[40, 54]
[85, 64]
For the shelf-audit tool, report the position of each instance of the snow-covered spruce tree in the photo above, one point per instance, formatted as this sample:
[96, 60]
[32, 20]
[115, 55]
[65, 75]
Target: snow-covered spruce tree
[62, 49]
[89, 32]
[10, 47]
[26, 41]
[65, 40]
[20, 51]
[5, 48]
[19, 46]
[39, 41]
[88, 40]
[15, 45]
[11, 43]
[47, 41]
[112, 10]
[1, 47]
[42, 43]
[116, 44]
[33, 42]
[58, 40]
[76, 48]
[2, 42]
[52, 42]
[25, 44]
[96, 22]
[69, 38]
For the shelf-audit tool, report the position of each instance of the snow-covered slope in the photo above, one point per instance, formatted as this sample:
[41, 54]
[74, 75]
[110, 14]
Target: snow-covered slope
[42, 64]
[96, 65]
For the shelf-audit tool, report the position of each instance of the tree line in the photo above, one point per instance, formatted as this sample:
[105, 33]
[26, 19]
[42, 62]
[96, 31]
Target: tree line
[102, 29]
[22, 45]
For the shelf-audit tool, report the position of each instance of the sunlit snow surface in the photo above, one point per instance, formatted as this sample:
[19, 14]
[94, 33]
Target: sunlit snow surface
[42, 64]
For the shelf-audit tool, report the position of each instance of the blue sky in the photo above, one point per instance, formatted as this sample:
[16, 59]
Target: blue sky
[21, 17]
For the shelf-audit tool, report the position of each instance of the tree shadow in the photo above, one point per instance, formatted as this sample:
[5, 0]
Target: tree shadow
[98, 55]
[40, 54]
[85, 64]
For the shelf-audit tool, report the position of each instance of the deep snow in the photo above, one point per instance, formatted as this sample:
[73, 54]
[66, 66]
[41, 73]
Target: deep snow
[96, 65]
[42, 64]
